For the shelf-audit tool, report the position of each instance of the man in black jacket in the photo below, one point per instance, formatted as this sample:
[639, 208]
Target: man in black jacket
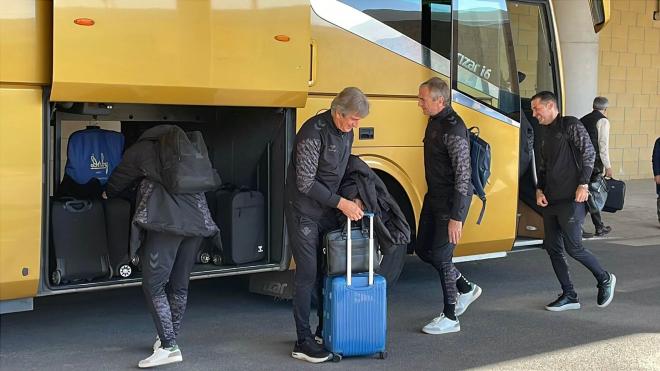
[598, 127]
[567, 160]
[318, 163]
[446, 203]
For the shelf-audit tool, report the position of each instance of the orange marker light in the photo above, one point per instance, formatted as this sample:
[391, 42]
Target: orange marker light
[84, 22]
[283, 38]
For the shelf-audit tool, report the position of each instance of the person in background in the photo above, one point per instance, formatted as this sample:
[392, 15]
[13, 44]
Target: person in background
[562, 191]
[318, 162]
[446, 203]
[598, 127]
[656, 172]
[167, 232]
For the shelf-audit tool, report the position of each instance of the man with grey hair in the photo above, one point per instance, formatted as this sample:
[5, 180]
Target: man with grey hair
[598, 127]
[318, 163]
[446, 203]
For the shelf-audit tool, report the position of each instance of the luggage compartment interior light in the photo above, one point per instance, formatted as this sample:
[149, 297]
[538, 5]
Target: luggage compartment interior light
[84, 21]
[283, 38]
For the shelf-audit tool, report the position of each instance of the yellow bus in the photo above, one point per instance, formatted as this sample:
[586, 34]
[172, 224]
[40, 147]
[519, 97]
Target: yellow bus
[247, 74]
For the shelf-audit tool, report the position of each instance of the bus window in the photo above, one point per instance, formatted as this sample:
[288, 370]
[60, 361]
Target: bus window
[484, 65]
[426, 22]
[532, 45]
[404, 16]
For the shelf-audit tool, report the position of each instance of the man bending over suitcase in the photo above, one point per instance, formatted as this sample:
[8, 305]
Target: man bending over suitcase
[318, 162]
[446, 203]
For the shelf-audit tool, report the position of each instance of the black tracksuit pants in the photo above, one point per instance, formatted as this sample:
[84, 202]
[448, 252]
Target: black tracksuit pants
[167, 261]
[433, 245]
[305, 237]
[563, 231]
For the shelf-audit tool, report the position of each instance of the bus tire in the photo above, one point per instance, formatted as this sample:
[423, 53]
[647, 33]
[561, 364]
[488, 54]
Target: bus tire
[391, 265]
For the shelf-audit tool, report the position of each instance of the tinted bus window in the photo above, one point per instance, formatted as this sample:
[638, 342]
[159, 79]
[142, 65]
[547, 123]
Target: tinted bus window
[484, 65]
[428, 22]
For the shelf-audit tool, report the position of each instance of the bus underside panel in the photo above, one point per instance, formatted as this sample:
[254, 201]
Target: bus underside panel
[247, 146]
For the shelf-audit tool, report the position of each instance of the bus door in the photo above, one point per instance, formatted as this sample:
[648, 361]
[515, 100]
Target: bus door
[206, 52]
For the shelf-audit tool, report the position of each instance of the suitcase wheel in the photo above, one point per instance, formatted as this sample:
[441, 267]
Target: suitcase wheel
[56, 277]
[382, 355]
[217, 259]
[336, 357]
[204, 258]
[125, 271]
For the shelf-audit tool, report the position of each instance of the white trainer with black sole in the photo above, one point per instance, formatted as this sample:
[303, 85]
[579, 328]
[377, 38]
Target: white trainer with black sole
[162, 356]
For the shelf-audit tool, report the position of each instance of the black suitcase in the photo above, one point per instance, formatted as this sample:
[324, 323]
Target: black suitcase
[79, 241]
[117, 224]
[241, 218]
[616, 194]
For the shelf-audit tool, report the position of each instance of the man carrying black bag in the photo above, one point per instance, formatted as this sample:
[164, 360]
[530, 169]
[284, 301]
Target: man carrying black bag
[318, 163]
[598, 127]
[446, 204]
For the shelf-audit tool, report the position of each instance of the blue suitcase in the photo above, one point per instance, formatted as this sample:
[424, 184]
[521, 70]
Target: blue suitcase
[355, 309]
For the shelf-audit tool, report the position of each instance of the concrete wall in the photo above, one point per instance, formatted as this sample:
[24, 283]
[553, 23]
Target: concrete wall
[579, 48]
[629, 76]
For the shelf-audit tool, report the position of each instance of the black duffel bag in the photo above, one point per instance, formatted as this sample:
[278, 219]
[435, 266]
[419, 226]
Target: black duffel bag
[335, 247]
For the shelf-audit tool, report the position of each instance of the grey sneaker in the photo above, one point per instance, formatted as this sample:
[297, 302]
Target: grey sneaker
[162, 356]
[464, 300]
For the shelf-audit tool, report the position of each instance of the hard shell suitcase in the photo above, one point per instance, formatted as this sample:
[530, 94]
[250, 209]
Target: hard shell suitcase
[241, 219]
[117, 225]
[616, 194]
[79, 241]
[355, 309]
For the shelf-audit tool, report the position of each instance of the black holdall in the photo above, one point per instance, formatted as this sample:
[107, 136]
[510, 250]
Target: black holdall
[597, 195]
[616, 195]
[335, 245]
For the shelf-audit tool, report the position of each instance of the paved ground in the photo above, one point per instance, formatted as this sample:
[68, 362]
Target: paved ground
[227, 328]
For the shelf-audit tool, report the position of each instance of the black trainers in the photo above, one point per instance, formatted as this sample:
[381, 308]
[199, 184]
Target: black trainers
[563, 302]
[310, 351]
[606, 291]
[586, 234]
[603, 231]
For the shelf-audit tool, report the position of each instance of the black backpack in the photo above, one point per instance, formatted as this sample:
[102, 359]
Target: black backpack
[480, 163]
[185, 164]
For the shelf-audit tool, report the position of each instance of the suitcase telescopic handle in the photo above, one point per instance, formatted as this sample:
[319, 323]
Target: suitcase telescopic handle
[349, 256]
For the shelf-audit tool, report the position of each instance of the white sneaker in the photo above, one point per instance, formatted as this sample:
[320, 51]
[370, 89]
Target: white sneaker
[157, 343]
[161, 357]
[464, 300]
[442, 325]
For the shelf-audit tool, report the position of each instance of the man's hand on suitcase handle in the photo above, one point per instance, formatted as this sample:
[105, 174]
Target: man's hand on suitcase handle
[350, 209]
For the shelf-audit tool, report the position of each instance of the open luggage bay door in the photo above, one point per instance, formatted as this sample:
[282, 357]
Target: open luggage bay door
[201, 52]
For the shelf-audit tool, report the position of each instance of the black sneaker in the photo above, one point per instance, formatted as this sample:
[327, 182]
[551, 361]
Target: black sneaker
[310, 351]
[603, 231]
[563, 302]
[606, 291]
[586, 234]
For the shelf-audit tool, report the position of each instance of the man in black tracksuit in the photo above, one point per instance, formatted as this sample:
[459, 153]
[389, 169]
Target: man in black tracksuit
[318, 163]
[446, 204]
[566, 163]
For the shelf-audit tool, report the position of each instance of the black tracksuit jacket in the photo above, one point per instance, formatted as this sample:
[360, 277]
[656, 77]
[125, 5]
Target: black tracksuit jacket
[567, 159]
[447, 163]
[318, 163]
